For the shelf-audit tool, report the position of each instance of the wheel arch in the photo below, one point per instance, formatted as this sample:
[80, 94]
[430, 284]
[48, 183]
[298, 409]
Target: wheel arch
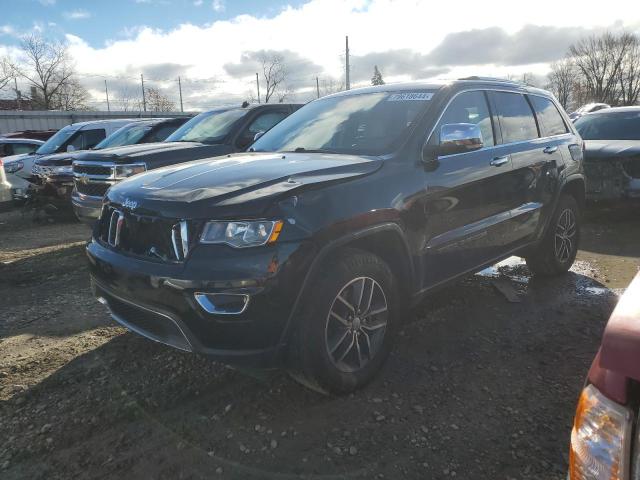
[576, 186]
[384, 240]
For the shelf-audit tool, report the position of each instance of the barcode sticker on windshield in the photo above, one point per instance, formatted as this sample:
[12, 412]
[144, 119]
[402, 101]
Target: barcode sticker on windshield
[406, 97]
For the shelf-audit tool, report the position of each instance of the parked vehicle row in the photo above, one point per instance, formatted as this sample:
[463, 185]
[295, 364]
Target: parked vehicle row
[217, 132]
[305, 251]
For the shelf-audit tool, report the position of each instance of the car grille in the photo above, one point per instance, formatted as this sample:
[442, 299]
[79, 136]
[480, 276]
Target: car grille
[156, 238]
[92, 169]
[92, 189]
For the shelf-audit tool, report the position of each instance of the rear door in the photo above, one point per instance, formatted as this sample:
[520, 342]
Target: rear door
[535, 160]
[469, 196]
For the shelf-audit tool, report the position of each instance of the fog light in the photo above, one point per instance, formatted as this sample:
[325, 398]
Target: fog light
[600, 438]
[222, 303]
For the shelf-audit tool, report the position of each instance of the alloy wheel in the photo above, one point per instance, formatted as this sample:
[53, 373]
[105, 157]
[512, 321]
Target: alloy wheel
[356, 324]
[565, 235]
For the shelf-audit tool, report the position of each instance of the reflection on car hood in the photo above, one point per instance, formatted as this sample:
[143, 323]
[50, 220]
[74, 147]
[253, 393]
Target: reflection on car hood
[191, 189]
[611, 149]
[144, 152]
[58, 159]
[15, 158]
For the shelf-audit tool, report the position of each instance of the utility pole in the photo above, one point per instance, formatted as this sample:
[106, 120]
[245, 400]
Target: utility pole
[106, 92]
[18, 99]
[180, 88]
[346, 64]
[144, 99]
[258, 86]
[318, 87]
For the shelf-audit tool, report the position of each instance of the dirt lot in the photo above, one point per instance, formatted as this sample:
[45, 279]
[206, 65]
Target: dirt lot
[477, 387]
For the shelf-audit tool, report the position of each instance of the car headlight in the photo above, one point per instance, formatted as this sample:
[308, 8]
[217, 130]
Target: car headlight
[600, 439]
[241, 234]
[124, 171]
[13, 167]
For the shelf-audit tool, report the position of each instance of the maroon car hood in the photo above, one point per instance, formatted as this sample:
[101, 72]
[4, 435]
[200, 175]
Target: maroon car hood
[620, 350]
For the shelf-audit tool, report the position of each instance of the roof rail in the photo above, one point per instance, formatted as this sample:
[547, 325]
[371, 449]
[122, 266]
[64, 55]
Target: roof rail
[491, 79]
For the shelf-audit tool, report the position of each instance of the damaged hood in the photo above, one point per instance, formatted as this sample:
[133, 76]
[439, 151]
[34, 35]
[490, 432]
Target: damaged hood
[249, 180]
[611, 149]
[56, 159]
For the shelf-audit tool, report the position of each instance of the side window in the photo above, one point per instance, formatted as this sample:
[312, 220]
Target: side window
[551, 122]
[516, 117]
[19, 148]
[92, 137]
[265, 121]
[5, 149]
[261, 123]
[162, 132]
[468, 107]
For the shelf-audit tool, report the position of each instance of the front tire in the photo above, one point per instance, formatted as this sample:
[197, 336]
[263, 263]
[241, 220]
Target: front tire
[349, 324]
[557, 250]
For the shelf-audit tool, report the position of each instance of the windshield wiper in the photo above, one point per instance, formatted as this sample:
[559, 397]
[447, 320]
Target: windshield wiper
[310, 150]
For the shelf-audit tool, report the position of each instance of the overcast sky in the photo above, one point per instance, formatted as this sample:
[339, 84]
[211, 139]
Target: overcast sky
[213, 45]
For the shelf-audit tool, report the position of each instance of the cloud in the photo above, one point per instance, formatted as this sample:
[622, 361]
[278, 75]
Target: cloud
[76, 15]
[218, 5]
[529, 45]
[7, 30]
[297, 67]
[47, 3]
[198, 3]
[407, 39]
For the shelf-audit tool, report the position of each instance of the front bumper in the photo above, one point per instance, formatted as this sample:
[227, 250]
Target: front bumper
[86, 207]
[157, 299]
[612, 179]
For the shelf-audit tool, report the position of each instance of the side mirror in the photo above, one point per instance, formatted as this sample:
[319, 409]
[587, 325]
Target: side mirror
[71, 148]
[258, 135]
[459, 138]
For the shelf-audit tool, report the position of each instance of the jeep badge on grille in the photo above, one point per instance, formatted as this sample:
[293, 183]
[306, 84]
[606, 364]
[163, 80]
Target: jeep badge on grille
[128, 203]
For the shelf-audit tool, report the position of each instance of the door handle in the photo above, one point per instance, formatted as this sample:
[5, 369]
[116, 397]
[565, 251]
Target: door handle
[550, 149]
[499, 161]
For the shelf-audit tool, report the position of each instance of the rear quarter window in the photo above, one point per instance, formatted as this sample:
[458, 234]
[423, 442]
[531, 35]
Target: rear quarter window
[551, 122]
[515, 116]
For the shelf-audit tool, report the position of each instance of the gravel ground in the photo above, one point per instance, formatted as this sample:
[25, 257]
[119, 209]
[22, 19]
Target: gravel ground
[477, 386]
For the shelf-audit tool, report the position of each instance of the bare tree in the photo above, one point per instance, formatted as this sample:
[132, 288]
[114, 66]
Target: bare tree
[562, 81]
[157, 102]
[46, 67]
[629, 74]
[6, 72]
[71, 96]
[274, 73]
[599, 60]
[127, 99]
[331, 85]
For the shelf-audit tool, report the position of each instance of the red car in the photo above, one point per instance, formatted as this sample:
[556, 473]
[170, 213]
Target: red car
[605, 440]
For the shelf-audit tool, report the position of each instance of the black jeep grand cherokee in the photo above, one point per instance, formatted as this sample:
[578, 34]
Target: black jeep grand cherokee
[308, 257]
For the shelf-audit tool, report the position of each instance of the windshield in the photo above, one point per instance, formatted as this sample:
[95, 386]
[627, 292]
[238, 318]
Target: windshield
[610, 126]
[127, 135]
[54, 144]
[360, 124]
[208, 127]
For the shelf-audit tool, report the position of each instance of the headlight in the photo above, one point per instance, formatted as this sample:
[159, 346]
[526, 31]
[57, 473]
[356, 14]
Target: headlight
[13, 167]
[124, 171]
[242, 234]
[600, 438]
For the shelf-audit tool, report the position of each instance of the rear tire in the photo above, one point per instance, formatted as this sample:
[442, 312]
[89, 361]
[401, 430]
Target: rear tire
[557, 250]
[348, 327]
